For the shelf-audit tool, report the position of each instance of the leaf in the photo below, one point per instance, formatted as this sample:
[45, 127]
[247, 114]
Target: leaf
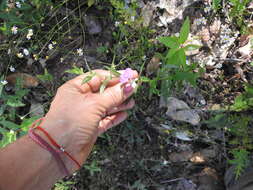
[9, 125]
[88, 78]
[185, 30]
[14, 102]
[8, 137]
[104, 84]
[171, 42]
[191, 47]
[91, 2]
[46, 77]
[113, 71]
[26, 123]
[75, 70]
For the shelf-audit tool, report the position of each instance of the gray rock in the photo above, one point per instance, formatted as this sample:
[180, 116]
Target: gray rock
[92, 24]
[36, 109]
[178, 110]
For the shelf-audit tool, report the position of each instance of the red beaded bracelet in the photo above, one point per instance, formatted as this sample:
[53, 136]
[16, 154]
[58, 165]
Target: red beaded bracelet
[54, 143]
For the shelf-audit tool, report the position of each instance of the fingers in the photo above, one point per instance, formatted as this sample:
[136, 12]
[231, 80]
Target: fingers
[97, 77]
[123, 107]
[115, 95]
[111, 121]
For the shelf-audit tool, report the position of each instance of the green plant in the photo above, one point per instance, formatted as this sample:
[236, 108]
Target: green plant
[175, 69]
[245, 100]
[238, 12]
[63, 185]
[216, 5]
[92, 168]
[9, 130]
[239, 138]
[241, 161]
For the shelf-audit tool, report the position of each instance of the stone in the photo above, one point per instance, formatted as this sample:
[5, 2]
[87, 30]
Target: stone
[92, 24]
[178, 110]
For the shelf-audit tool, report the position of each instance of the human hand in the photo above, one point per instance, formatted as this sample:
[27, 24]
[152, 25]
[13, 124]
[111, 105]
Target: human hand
[79, 113]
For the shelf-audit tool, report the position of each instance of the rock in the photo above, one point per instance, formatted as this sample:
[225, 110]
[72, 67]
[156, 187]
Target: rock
[36, 109]
[28, 81]
[182, 135]
[180, 111]
[247, 49]
[204, 155]
[208, 180]
[180, 156]
[185, 184]
[153, 65]
[174, 8]
[92, 24]
[147, 14]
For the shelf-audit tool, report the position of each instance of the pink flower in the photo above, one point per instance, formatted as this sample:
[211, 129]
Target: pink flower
[126, 76]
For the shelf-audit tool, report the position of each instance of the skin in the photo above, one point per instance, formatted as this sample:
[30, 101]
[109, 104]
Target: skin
[77, 116]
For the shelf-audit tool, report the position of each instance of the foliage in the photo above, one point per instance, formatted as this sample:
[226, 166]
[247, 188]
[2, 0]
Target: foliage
[216, 5]
[9, 130]
[92, 168]
[46, 77]
[63, 185]
[22, 14]
[245, 100]
[239, 133]
[238, 12]
[175, 69]
[241, 161]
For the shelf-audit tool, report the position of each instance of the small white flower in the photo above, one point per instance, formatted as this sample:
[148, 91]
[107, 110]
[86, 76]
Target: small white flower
[177, 34]
[25, 51]
[4, 82]
[12, 69]
[79, 52]
[20, 55]
[165, 162]
[14, 30]
[117, 23]
[18, 4]
[30, 34]
[54, 42]
[12, 132]
[200, 21]
[207, 9]
[61, 60]
[9, 51]
[50, 46]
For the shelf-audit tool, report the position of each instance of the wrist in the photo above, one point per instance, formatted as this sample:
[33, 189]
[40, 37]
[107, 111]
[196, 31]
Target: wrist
[61, 137]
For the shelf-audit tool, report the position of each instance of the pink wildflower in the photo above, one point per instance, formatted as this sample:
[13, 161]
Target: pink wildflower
[126, 76]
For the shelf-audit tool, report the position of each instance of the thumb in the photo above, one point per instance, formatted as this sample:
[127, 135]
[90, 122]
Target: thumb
[116, 95]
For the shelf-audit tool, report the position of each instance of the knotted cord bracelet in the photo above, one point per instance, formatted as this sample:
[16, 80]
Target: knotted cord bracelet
[59, 149]
[40, 141]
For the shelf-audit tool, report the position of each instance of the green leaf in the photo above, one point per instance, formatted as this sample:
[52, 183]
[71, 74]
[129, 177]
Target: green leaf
[8, 137]
[75, 70]
[91, 2]
[104, 84]
[26, 123]
[14, 102]
[171, 42]
[9, 125]
[144, 79]
[185, 30]
[88, 78]
[46, 77]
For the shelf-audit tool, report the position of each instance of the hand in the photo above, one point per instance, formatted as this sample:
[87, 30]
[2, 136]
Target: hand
[79, 113]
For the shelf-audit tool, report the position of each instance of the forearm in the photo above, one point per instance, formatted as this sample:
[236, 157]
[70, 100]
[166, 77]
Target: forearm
[25, 165]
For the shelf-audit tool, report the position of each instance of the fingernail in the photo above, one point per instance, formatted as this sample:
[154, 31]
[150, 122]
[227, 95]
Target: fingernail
[128, 88]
